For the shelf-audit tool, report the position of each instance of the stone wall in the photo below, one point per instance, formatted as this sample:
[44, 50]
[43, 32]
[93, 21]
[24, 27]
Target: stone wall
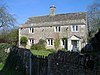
[21, 61]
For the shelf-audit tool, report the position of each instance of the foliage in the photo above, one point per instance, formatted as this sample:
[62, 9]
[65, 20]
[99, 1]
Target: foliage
[6, 19]
[51, 50]
[56, 43]
[93, 18]
[14, 63]
[13, 37]
[63, 49]
[3, 54]
[39, 46]
[23, 41]
[42, 52]
[10, 37]
[1, 66]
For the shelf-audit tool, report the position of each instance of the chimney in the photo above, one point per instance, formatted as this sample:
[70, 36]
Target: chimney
[52, 10]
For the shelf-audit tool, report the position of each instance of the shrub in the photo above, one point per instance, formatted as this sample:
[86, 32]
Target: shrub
[39, 46]
[64, 49]
[23, 41]
[3, 54]
[51, 50]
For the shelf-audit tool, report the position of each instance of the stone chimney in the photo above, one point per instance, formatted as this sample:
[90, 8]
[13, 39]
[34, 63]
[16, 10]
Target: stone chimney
[52, 10]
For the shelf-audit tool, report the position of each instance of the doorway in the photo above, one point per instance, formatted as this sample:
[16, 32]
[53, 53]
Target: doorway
[75, 44]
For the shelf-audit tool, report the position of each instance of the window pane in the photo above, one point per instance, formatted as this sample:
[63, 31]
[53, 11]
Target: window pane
[73, 28]
[62, 41]
[59, 29]
[51, 42]
[56, 29]
[76, 28]
[32, 30]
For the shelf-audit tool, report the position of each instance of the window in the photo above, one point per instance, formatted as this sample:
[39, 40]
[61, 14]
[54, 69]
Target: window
[62, 42]
[49, 41]
[31, 30]
[21, 28]
[74, 28]
[57, 28]
[31, 41]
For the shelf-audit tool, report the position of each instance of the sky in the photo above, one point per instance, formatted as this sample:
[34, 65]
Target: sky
[23, 9]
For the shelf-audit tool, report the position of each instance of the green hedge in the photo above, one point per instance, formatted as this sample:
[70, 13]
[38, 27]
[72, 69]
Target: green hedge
[39, 46]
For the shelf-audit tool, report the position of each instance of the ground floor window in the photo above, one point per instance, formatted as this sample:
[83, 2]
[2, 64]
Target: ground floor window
[62, 42]
[31, 41]
[49, 41]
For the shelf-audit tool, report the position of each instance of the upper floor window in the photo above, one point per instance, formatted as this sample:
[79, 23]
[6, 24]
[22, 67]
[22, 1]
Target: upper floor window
[57, 28]
[21, 28]
[49, 41]
[74, 28]
[31, 30]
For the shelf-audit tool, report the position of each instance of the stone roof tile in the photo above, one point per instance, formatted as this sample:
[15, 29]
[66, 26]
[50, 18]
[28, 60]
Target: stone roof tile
[58, 17]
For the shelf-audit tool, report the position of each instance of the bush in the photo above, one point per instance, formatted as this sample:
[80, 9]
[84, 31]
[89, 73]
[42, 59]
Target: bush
[3, 54]
[39, 46]
[51, 50]
[23, 41]
[63, 49]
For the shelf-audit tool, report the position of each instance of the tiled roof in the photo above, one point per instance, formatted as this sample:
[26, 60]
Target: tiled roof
[58, 17]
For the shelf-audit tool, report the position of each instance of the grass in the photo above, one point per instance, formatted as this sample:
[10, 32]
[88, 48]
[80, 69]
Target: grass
[1, 66]
[41, 52]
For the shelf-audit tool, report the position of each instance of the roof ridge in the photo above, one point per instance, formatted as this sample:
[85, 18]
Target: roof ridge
[59, 14]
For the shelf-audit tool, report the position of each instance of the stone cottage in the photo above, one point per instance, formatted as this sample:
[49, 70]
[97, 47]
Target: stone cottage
[69, 28]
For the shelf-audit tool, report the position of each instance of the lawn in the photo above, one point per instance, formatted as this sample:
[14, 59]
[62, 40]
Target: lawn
[1, 66]
[41, 52]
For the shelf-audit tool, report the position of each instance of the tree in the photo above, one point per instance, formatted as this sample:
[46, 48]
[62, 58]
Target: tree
[57, 41]
[13, 37]
[23, 41]
[93, 18]
[10, 37]
[6, 19]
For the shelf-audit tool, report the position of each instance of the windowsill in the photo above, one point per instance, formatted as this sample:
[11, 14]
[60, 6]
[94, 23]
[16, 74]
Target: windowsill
[49, 45]
[75, 31]
[57, 31]
[31, 33]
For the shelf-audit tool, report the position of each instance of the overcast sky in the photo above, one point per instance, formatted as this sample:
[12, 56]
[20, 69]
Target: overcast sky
[23, 9]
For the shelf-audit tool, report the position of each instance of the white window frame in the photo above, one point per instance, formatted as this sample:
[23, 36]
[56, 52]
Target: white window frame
[49, 42]
[31, 41]
[74, 28]
[31, 30]
[77, 28]
[62, 41]
[57, 28]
